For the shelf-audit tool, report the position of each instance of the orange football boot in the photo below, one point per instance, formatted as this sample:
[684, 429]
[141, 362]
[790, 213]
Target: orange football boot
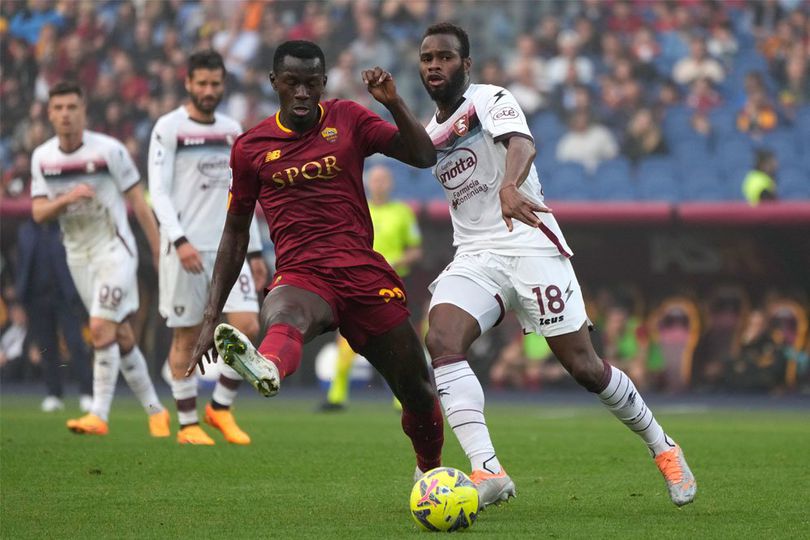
[194, 435]
[223, 420]
[159, 424]
[89, 424]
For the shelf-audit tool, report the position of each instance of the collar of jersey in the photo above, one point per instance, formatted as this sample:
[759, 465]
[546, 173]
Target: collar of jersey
[287, 130]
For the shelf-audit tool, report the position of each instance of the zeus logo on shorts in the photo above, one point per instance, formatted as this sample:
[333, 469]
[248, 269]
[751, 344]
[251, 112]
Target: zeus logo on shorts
[551, 320]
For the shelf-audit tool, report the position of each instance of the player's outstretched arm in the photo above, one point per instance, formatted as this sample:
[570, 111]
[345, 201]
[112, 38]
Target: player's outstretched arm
[514, 205]
[412, 145]
[230, 256]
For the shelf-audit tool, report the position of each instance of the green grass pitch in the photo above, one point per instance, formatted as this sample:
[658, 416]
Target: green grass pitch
[579, 474]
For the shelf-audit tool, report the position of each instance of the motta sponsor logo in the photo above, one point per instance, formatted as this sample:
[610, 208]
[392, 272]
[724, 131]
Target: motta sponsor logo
[213, 166]
[456, 168]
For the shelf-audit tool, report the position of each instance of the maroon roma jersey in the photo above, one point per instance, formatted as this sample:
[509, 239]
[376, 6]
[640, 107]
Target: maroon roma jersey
[310, 185]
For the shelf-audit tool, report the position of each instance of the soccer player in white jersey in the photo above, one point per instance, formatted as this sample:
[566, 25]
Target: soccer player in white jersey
[511, 255]
[84, 179]
[188, 180]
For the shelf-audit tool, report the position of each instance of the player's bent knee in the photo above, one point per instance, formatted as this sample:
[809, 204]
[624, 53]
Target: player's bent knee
[290, 316]
[440, 342]
[102, 332]
[125, 337]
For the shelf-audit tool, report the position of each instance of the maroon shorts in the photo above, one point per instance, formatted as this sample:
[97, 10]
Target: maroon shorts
[366, 300]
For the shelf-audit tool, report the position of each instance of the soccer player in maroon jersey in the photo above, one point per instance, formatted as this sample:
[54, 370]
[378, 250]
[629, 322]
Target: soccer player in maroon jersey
[304, 166]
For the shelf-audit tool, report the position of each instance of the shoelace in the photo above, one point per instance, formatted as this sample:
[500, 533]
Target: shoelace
[671, 467]
[479, 476]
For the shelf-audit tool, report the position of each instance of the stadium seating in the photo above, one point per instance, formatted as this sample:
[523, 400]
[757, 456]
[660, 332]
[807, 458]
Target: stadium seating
[613, 181]
[656, 180]
[568, 181]
[793, 183]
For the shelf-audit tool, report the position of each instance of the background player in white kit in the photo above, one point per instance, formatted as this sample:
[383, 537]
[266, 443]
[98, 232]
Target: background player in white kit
[188, 180]
[485, 152]
[83, 178]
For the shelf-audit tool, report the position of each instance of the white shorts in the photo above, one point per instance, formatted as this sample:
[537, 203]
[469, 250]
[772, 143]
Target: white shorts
[183, 295]
[543, 292]
[107, 281]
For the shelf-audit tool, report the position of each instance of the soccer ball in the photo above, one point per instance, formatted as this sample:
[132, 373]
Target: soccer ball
[444, 499]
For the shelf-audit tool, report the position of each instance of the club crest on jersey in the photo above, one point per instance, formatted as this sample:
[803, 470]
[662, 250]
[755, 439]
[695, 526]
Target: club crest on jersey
[330, 134]
[179, 310]
[272, 155]
[461, 126]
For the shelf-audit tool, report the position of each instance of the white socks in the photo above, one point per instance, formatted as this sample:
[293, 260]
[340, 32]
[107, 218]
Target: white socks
[105, 374]
[184, 392]
[224, 394]
[136, 373]
[623, 400]
[462, 400]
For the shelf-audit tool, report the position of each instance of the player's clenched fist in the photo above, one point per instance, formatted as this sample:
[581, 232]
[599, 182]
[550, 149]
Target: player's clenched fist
[380, 84]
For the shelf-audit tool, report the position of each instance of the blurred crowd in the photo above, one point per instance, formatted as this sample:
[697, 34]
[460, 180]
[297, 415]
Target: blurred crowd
[609, 78]
[610, 86]
[721, 343]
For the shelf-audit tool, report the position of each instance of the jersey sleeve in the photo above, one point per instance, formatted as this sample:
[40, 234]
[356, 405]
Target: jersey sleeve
[372, 133]
[122, 168]
[502, 117]
[162, 150]
[244, 188]
[411, 232]
[255, 243]
[39, 188]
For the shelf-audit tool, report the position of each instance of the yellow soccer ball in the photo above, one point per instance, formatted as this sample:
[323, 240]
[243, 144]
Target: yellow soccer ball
[444, 499]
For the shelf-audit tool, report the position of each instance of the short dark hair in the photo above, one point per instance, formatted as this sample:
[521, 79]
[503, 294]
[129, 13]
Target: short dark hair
[206, 59]
[63, 88]
[298, 49]
[450, 28]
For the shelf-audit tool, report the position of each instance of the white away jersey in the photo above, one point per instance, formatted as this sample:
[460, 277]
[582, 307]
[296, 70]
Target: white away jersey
[103, 163]
[189, 176]
[471, 161]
